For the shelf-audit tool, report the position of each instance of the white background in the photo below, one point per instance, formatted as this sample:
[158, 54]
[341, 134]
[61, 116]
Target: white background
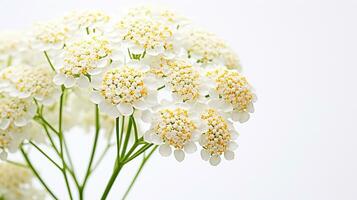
[301, 143]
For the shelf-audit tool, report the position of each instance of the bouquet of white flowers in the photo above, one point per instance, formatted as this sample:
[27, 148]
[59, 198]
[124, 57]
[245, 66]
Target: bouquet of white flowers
[148, 79]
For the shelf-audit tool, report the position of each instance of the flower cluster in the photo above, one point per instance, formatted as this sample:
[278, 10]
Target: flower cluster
[16, 183]
[149, 64]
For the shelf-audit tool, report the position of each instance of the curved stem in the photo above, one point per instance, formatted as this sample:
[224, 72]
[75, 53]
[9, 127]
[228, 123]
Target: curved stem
[127, 137]
[60, 134]
[47, 156]
[145, 159]
[37, 174]
[49, 60]
[97, 129]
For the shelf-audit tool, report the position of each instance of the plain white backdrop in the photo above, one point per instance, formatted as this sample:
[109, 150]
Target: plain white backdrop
[301, 144]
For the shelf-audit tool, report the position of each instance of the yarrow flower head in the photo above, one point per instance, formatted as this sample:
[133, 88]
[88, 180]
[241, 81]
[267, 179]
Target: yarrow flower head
[145, 34]
[51, 35]
[232, 93]
[17, 183]
[174, 126]
[124, 88]
[218, 139]
[160, 13]
[82, 58]
[11, 45]
[34, 82]
[207, 49]
[15, 111]
[184, 81]
[91, 20]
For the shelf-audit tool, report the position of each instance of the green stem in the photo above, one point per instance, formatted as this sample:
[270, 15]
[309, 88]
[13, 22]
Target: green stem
[47, 156]
[16, 163]
[97, 129]
[140, 151]
[60, 134]
[127, 137]
[118, 138]
[49, 60]
[37, 174]
[135, 128]
[145, 159]
[111, 181]
[101, 157]
[51, 140]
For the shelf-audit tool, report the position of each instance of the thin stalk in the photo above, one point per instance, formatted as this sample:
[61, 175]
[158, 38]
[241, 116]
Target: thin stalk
[60, 134]
[97, 129]
[47, 156]
[101, 157]
[140, 151]
[50, 138]
[127, 137]
[48, 124]
[16, 163]
[135, 128]
[118, 138]
[111, 181]
[49, 60]
[145, 159]
[121, 135]
[34, 171]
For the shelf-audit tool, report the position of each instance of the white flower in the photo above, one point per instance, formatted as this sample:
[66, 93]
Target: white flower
[174, 126]
[89, 20]
[218, 139]
[15, 111]
[161, 13]
[185, 82]
[17, 183]
[51, 35]
[232, 94]
[146, 35]
[207, 49]
[34, 82]
[124, 88]
[11, 45]
[82, 58]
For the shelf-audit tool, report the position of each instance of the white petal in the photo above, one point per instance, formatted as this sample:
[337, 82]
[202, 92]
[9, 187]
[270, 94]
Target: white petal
[156, 139]
[179, 155]
[240, 116]
[229, 155]
[152, 82]
[190, 147]
[109, 109]
[165, 150]
[140, 105]
[146, 116]
[59, 79]
[205, 155]
[243, 117]
[215, 160]
[151, 98]
[21, 122]
[83, 82]
[69, 82]
[96, 97]
[4, 124]
[250, 108]
[125, 109]
[232, 146]
[95, 71]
